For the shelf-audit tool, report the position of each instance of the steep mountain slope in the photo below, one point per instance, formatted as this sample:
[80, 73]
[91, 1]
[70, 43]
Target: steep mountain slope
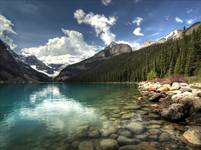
[175, 56]
[89, 64]
[14, 71]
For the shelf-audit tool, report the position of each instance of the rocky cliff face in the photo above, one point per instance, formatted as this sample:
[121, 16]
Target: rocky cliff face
[74, 70]
[13, 70]
[37, 64]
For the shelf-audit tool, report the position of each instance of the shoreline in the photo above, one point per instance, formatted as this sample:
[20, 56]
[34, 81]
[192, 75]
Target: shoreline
[177, 102]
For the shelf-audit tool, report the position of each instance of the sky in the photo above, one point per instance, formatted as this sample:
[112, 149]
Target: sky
[67, 31]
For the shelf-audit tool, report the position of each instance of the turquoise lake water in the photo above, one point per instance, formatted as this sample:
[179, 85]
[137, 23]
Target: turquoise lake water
[54, 116]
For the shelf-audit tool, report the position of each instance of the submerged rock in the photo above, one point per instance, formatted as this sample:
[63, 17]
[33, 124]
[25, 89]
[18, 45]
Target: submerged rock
[125, 132]
[136, 127]
[108, 131]
[122, 140]
[130, 147]
[141, 146]
[164, 137]
[93, 133]
[109, 144]
[85, 146]
[193, 135]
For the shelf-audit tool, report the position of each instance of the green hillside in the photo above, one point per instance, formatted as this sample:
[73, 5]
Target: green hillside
[181, 56]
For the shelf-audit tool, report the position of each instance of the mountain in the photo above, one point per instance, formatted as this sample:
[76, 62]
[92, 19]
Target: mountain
[179, 53]
[31, 60]
[37, 64]
[74, 70]
[13, 70]
[174, 35]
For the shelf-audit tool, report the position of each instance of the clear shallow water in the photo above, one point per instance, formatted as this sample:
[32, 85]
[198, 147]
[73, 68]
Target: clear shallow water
[60, 116]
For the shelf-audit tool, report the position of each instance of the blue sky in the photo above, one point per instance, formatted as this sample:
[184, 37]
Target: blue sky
[36, 21]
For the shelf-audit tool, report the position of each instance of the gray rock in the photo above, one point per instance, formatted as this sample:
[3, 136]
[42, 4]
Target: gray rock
[127, 116]
[125, 132]
[93, 133]
[109, 144]
[130, 147]
[132, 107]
[154, 131]
[164, 137]
[114, 136]
[175, 112]
[108, 131]
[156, 97]
[185, 89]
[136, 127]
[86, 146]
[75, 144]
[176, 86]
[122, 140]
[153, 137]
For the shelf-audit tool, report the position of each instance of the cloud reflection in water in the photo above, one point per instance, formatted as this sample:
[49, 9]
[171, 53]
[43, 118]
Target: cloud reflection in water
[47, 110]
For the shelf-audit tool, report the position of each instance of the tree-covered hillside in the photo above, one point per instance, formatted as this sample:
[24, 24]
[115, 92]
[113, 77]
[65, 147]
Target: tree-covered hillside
[181, 56]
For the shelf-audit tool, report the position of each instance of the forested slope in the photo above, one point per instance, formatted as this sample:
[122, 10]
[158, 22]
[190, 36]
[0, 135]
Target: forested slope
[180, 56]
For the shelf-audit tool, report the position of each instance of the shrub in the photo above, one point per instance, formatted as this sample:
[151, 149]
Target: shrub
[151, 75]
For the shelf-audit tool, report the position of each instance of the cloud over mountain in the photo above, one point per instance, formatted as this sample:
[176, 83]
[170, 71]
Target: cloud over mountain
[6, 28]
[106, 2]
[137, 32]
[138, 21]
[100, 23]
[68, 49]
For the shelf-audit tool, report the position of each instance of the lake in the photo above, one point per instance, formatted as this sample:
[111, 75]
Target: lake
[79, 116]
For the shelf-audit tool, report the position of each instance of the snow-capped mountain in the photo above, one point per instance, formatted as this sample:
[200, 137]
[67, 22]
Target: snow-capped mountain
[176, 34]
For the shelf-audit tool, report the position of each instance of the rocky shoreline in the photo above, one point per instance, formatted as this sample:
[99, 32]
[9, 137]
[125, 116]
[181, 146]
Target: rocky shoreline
[176, 102]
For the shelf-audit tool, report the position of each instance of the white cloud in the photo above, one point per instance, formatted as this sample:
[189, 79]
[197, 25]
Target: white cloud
[6, 28]
[189, 21]
[134, 45]
[100, 23]
[106, 2]
[137, 32]
[178, 20]
[138, 21]
[67, 49]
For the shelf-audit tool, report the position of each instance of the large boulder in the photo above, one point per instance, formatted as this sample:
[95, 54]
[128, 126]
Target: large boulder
[195, 102]
[156, 97]
[175, 86]
[175, 112]
[193, 135]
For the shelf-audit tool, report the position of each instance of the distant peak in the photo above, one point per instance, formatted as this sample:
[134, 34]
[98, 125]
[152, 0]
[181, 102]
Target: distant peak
[112, 44]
